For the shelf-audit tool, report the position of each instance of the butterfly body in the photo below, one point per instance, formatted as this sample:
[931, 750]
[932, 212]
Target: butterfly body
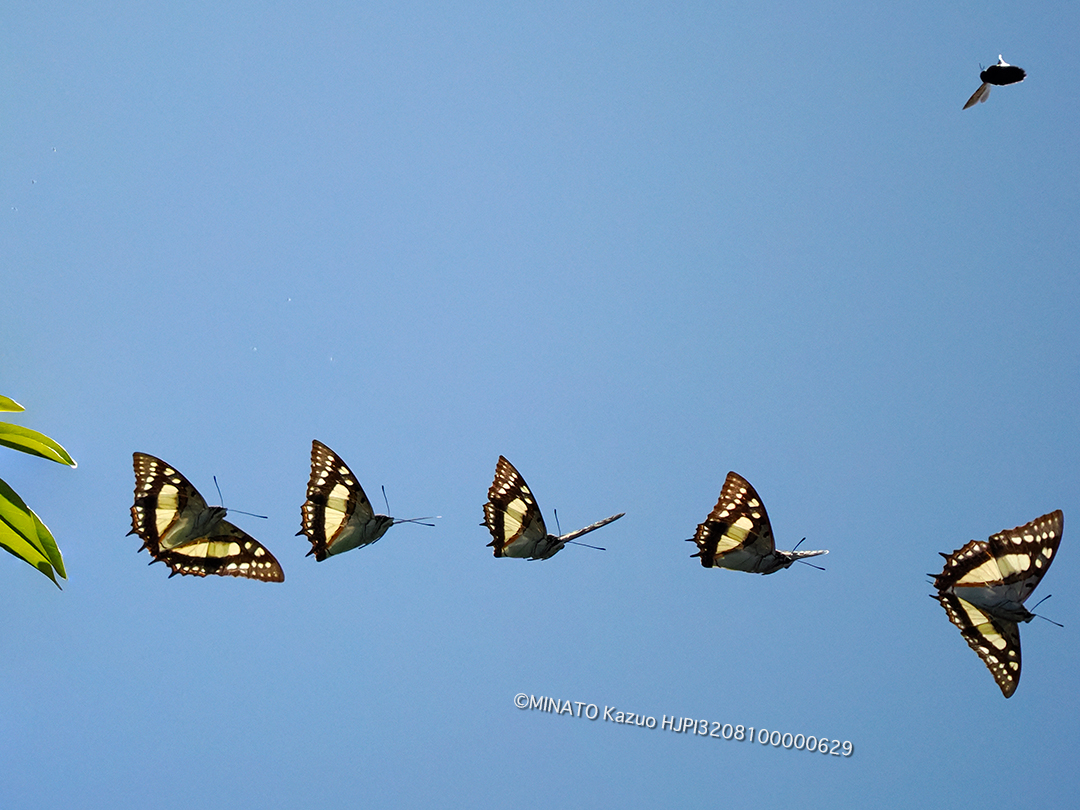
[737, 533]
[984, 585]
[525, 547]
[337, 516]
[1001, 600]
[515, 522]
[1000, 74]
[358, 533]
[177, 527]
[192, 522]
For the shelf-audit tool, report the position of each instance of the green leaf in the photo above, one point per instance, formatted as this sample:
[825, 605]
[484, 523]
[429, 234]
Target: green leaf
[45, 539]
[30, 441]
[8, 404]
[23, 534]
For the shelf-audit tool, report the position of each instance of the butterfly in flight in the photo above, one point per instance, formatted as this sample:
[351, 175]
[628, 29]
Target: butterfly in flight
[737, 534]
[337, 515]
[984, 585]
[515, 522]
[1000, 74]
[180, 530]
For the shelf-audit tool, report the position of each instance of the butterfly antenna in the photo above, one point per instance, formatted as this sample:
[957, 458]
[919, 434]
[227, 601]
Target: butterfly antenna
[1043, 617]
[221, 498]
[577, 543]
[804, 562]
[419, 520]
[409, 520]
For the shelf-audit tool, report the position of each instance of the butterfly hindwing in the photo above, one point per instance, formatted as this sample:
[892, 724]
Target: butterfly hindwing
[337, 515]
[996, 641]
[984, 585]
[179, 529]
[228, 551]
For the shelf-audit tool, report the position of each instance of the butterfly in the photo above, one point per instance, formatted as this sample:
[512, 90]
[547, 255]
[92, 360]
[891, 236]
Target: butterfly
[515, 522]
[1000, 74]
[737, 534]
[337, 515]
[180, 530]
[984, 585]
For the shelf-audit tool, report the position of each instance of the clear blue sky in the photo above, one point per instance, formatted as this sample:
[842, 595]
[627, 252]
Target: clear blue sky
[629, 246]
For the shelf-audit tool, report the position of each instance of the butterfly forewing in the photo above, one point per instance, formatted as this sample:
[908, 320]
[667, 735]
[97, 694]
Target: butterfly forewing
[337, 515]
[179, 529]
[166, 504]
[737, 528]
[979, 95]
[512, 516]
[1000, 573]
